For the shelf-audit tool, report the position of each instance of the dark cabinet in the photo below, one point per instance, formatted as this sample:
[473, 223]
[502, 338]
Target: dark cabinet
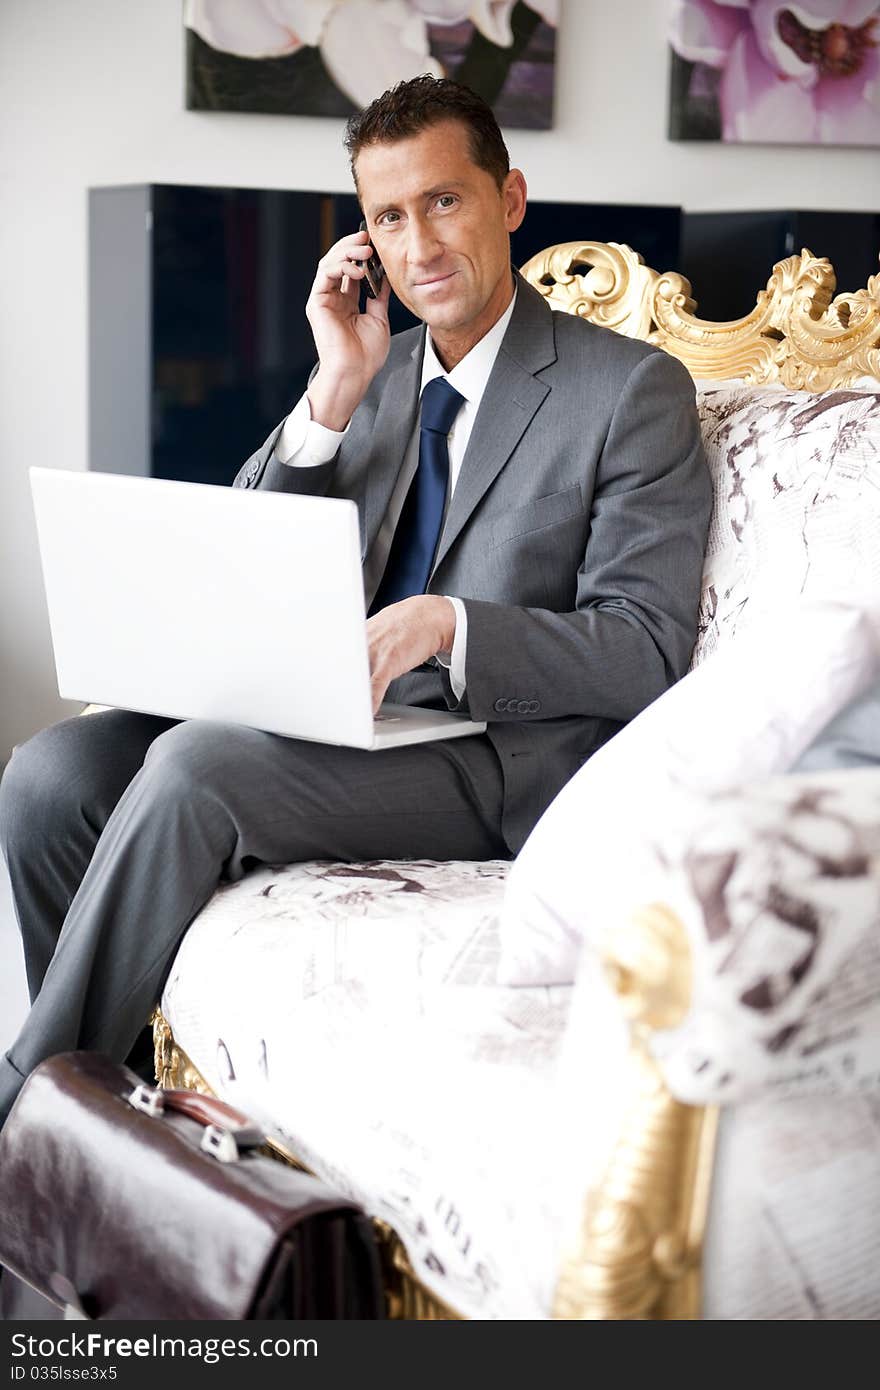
[198, 344]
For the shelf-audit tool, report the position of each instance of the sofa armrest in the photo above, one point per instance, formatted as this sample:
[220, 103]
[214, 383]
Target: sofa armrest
[758, 972]
[778, 884]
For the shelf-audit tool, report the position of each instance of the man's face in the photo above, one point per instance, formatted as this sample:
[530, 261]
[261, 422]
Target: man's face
[441, 227]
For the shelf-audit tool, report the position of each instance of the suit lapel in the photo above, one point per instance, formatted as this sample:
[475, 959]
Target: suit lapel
[395, 422]
[509, 403]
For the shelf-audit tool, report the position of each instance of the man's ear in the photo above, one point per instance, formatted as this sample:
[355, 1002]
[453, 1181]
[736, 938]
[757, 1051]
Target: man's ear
[513, 192]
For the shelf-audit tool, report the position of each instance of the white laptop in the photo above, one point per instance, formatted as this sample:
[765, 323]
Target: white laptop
[201, 602]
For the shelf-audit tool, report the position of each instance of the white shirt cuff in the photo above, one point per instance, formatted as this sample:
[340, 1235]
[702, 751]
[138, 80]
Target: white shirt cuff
[454, 661]
[303, 443]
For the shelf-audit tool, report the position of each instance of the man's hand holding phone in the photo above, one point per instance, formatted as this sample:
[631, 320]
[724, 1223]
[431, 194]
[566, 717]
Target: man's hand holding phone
[352, 346]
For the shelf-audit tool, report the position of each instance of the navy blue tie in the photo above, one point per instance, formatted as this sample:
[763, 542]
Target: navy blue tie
[415, 539]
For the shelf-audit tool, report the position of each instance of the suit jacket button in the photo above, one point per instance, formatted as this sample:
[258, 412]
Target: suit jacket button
[522, 707]
[511, 706]
[500, 705]
[534, 706]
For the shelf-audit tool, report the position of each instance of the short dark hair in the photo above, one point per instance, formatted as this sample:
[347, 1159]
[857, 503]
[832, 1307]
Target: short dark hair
[412, 106]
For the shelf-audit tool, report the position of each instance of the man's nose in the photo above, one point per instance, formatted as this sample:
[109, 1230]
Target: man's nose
[423, 244]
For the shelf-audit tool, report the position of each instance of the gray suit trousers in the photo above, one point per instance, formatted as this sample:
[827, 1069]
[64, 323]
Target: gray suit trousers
[117, 828]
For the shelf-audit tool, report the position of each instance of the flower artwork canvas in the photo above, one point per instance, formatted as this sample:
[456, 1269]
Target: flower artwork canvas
[332, 57]
[755, 71]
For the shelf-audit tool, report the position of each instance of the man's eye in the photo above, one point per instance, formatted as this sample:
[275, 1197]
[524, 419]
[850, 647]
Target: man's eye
[387, 219]
[446, 200]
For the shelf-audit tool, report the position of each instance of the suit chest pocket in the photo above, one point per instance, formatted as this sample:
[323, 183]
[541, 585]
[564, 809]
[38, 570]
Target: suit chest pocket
[541, 513]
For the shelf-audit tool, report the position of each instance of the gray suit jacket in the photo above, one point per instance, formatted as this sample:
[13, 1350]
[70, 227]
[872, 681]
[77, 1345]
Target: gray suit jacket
[575, 536]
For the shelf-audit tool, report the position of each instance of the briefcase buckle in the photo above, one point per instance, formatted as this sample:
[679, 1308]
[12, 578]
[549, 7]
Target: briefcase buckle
[147, 1099]
[220, 1144]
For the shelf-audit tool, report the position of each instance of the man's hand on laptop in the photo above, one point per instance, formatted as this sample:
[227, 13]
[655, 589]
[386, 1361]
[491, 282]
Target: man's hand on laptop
[403, 635]
[352, 346]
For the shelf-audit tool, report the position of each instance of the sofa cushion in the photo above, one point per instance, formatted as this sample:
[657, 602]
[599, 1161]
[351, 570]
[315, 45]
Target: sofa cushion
[749, 711]
[796, 479]
[354, 1010]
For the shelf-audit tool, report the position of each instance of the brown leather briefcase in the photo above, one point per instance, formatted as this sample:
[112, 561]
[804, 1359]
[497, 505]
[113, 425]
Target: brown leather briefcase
[121, 1201]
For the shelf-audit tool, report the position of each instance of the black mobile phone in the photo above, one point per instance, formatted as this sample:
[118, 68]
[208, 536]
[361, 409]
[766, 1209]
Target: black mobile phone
[374, 271]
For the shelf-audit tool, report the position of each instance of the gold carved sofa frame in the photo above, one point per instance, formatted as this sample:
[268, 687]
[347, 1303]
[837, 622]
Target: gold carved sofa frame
[638, 1249]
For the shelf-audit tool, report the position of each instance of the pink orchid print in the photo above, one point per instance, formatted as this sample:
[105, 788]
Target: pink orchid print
[803, 73]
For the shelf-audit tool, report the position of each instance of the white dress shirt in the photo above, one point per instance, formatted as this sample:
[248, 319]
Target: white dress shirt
[303, 443]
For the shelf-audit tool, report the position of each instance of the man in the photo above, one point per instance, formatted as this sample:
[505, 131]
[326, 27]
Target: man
[533, 502]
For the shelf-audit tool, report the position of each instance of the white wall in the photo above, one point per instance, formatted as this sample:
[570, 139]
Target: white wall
[91, 92]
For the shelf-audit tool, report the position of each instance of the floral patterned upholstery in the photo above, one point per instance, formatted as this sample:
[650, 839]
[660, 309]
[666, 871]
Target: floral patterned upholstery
[797, 499]
[780, 883]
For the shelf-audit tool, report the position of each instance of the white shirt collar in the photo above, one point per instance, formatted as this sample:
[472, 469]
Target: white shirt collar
[471, 374]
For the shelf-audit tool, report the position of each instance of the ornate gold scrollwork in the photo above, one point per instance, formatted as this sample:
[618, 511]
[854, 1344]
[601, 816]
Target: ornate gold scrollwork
[794, 335]
[637, 1251]
[406, 1298]
[614, 290]
[174, 1070]
[840, 347]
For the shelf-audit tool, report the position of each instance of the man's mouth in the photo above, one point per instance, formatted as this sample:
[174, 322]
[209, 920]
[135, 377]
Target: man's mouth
[432, 280]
